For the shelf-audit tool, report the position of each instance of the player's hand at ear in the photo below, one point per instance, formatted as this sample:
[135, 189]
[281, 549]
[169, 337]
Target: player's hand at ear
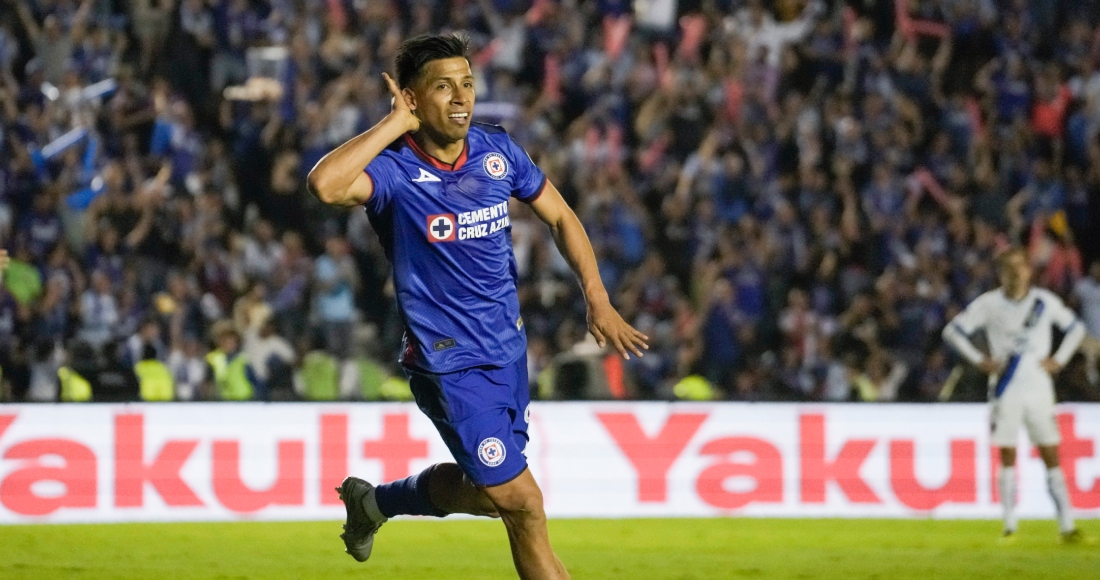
[608, 327]
[1050, 365]
[400, 104]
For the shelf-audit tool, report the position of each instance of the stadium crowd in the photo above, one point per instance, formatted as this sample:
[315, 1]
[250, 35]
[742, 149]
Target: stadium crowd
[790, 198]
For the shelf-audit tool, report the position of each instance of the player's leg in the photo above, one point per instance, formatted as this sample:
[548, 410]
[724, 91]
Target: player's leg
[439, 490]
[453, 492]
[519, 503]
[1006, 488]
[1042, 427]
[1004, 422]
[1056, 485]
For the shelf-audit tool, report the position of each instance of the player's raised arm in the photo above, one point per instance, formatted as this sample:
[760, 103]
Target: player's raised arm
[339, 177]
[603, 321]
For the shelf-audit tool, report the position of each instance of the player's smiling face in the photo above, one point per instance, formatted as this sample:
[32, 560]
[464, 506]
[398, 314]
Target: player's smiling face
[444, 99]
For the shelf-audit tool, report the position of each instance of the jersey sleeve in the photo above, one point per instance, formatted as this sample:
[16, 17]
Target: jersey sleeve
[382, 172]
[972, 318]
[530, 180]
[1060, 314]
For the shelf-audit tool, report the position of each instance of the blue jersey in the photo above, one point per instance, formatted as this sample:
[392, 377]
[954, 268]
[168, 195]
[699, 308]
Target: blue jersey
[445, 229]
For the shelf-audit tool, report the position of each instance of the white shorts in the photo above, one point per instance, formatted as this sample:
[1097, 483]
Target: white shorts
[1034, 410]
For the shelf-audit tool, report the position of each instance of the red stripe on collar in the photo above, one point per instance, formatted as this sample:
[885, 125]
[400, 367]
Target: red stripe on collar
[435, 162]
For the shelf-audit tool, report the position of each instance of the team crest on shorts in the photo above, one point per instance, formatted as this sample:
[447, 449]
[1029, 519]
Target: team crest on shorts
[495, 166]
[491, 452]
[441, 228]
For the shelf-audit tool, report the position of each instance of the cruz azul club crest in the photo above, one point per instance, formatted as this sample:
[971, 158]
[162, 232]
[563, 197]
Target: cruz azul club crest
[491, 452]
[495, 166]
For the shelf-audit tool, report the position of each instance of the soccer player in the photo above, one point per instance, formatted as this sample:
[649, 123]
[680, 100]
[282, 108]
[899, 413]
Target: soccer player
[1017, 319]
[436, 189]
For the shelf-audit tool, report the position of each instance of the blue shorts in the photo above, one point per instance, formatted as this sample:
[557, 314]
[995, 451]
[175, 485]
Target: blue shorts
[482, 414]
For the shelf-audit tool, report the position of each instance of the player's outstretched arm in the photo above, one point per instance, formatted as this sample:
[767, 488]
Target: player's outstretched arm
[339, 177]
[604, 322]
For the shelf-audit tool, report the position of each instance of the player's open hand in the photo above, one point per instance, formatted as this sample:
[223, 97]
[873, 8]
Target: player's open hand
[1050, 365]
[607, 326]
[401, 108]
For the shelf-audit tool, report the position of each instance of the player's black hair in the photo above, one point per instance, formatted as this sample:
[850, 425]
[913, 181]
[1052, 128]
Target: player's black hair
[417, 52]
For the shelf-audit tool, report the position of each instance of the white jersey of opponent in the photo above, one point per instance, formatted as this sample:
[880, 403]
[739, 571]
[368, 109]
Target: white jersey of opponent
[1019, 334]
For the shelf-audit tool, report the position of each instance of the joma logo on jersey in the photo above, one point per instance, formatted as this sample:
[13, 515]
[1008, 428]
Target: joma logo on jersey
[495, 166]
[441, 227]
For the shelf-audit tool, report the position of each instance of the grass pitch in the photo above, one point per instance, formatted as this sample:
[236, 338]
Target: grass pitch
[629, 549]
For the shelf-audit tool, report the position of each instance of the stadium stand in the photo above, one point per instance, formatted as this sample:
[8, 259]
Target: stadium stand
[790, 198]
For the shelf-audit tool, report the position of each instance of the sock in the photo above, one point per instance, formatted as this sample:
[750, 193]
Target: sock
[407, 496]
[1006, 485]
[1056, 483]
[370, 507]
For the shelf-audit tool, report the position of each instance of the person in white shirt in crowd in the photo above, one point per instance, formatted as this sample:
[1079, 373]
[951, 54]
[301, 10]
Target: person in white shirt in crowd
[188, 368]
[335, 281]
[148, 333]
[1018, 320]
[98, 311]
[262, 252]
[1087, 295]
[268, 354]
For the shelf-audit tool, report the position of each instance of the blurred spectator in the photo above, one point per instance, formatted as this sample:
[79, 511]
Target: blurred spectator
[228, 374]
[98, 311]
[1087, 299]
[262, 252]
[113, 379]
[270, 357]
[188, 369]
[335, 279]
[155, 382]
[147, 335]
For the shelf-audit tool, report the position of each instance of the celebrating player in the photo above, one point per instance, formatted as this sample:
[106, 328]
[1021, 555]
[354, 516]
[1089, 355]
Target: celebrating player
[436, 189]
[1017, 319]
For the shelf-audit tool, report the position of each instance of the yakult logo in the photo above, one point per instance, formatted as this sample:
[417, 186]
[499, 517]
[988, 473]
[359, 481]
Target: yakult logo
[212, 461]
[652, 455]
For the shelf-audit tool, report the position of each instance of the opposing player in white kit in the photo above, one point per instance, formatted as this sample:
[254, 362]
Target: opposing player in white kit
[1017, 319]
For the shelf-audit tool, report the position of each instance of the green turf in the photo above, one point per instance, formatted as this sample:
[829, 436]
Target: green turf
[628, 549]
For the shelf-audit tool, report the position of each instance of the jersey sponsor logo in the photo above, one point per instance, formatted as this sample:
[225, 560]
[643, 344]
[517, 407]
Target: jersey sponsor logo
[491, 451]
[441, 227]
[495, 166]
[483, 222]
[425, 176]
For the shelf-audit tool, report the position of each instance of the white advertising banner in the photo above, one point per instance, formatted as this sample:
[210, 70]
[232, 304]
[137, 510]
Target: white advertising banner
[241, 461]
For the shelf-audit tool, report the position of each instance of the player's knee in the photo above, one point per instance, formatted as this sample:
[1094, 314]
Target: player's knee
[524, 505]
[1049, 453]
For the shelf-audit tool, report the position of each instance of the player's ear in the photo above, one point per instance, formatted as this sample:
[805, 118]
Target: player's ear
[410, 98]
